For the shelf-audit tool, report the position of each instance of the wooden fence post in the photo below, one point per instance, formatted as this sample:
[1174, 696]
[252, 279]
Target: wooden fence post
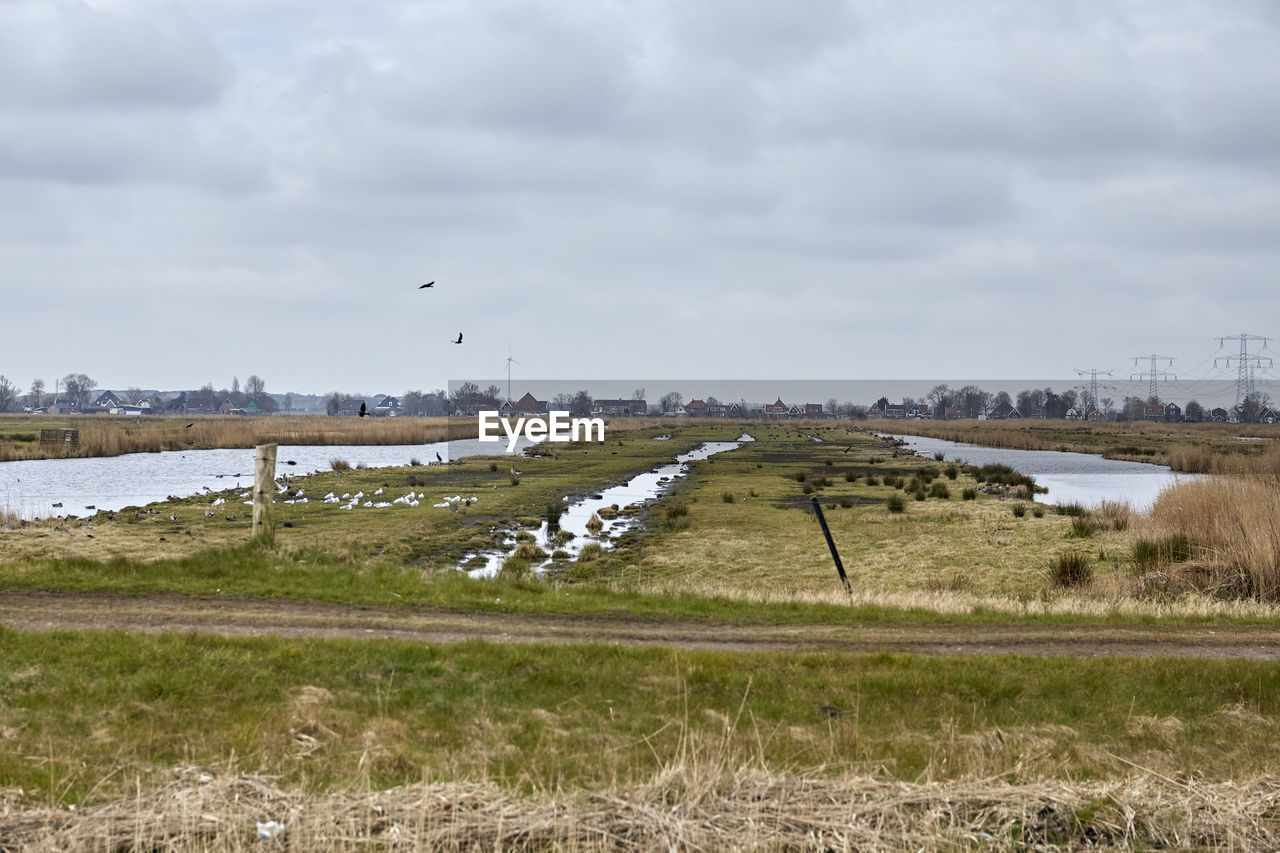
[264, 484]
[831, 543]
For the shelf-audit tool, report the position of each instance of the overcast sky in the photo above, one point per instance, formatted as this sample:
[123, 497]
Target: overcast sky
[191, 191]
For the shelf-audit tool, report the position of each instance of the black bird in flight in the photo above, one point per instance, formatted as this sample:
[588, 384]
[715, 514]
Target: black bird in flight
[363, 411]
[438, 459]
[459, 340]
[189, 426]
[428, 284]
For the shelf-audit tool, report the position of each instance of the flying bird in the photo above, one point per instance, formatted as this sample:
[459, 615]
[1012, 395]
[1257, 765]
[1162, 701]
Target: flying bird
[189, 426]
[363, 411]
[459, 340]
[428, 284]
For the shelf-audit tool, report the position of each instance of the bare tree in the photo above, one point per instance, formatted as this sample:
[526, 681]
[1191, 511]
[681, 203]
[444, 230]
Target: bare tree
[134, 396]
[288, 403]
[580, 405]
[671, 401]
[8, 393]
[939, 397]
[637, 394]
[78, 387]
[35, 397]
[255, 387]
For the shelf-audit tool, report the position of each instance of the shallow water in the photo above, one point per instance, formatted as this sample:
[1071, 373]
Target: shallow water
[1083, 478]
[30, 488]
[638, 490]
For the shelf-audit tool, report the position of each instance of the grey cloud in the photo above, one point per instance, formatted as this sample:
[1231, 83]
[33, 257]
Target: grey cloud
[71, 55]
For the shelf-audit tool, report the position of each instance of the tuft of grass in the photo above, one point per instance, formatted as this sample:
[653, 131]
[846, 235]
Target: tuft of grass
[1152, 554]
[969, 493]
[940, 490]
[1037, 510]
[339, 465]
[1083, 526]
[1019, 509]
[895, 503]
[591, 552]
[727, 497]
[952, 471]
[1071, 569]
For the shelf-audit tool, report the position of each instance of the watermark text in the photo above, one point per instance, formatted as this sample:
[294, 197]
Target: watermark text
[556, 426]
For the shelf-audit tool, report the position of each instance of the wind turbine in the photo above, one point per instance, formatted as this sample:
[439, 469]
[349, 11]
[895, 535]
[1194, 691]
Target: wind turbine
[510, 361]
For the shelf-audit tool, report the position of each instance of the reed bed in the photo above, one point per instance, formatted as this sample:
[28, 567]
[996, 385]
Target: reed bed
[683, 807]
[1233, 527]
[110, 436]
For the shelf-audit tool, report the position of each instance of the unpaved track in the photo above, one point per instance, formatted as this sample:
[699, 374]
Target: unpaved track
[244, 617]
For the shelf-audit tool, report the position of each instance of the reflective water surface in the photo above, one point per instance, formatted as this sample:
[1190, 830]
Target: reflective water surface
[1082, 478]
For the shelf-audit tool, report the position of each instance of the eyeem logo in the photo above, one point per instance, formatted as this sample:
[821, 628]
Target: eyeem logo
[557, 426]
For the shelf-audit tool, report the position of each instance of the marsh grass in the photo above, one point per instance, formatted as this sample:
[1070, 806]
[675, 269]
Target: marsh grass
[1232, 525]
[112, 436]
[1071, 569]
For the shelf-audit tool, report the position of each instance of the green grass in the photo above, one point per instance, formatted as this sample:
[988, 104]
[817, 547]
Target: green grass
[90, 715]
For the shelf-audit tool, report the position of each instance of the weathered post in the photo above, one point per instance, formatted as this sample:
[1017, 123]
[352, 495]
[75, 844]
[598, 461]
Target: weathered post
[264, 476]
[817, 510]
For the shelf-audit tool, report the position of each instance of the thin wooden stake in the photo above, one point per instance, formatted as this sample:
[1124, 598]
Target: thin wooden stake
[822, 519]
[264, 482]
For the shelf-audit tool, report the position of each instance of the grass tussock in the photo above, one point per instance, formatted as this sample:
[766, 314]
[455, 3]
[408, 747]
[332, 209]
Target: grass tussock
[1071, 569]
[1229, 527]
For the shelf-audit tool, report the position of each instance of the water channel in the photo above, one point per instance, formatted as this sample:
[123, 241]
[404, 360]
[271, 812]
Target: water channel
[1083, 478]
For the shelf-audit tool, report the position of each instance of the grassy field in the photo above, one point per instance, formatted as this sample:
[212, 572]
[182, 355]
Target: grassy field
[90, 717]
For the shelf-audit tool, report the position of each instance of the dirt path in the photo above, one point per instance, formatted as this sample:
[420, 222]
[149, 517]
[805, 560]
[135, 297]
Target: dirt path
[241, 617]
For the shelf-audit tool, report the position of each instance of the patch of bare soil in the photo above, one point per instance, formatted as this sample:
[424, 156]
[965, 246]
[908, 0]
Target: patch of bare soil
[231, 616]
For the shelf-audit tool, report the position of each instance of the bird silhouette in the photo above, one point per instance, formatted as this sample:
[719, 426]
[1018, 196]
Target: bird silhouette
[363, 411]
[459, 340]
[428, 284]
[438, 459]
[188, 426]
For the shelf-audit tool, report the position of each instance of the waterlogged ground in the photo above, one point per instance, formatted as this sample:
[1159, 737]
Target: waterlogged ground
[621, 504]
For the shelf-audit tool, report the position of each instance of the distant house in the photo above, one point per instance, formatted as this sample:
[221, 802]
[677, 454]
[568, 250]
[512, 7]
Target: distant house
[388, 407]
[1268, 416]
[227, 407]
[952, 413]
[696, 408]
[529, 405]
[717, 410]
[919, 411]
[1039, 413]
[619, 408]
[250, 408]
[1072, 414]
[106, 401]
[812, 410]
[1172, 413]
[897, 411]
[1219, 415]
[1004, 412]
[776, 410]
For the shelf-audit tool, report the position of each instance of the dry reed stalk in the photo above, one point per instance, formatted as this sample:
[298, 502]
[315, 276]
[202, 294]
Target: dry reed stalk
[1233, 523]
[680, 809]
[104, 436]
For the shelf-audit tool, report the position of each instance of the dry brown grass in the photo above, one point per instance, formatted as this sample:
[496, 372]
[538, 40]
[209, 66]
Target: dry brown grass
[1233, 525]
[112, 436]
[683, 808]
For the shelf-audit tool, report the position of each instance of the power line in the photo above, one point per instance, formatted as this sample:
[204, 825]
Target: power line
[1092, 388]
[1245, 362]
[1153, 373]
